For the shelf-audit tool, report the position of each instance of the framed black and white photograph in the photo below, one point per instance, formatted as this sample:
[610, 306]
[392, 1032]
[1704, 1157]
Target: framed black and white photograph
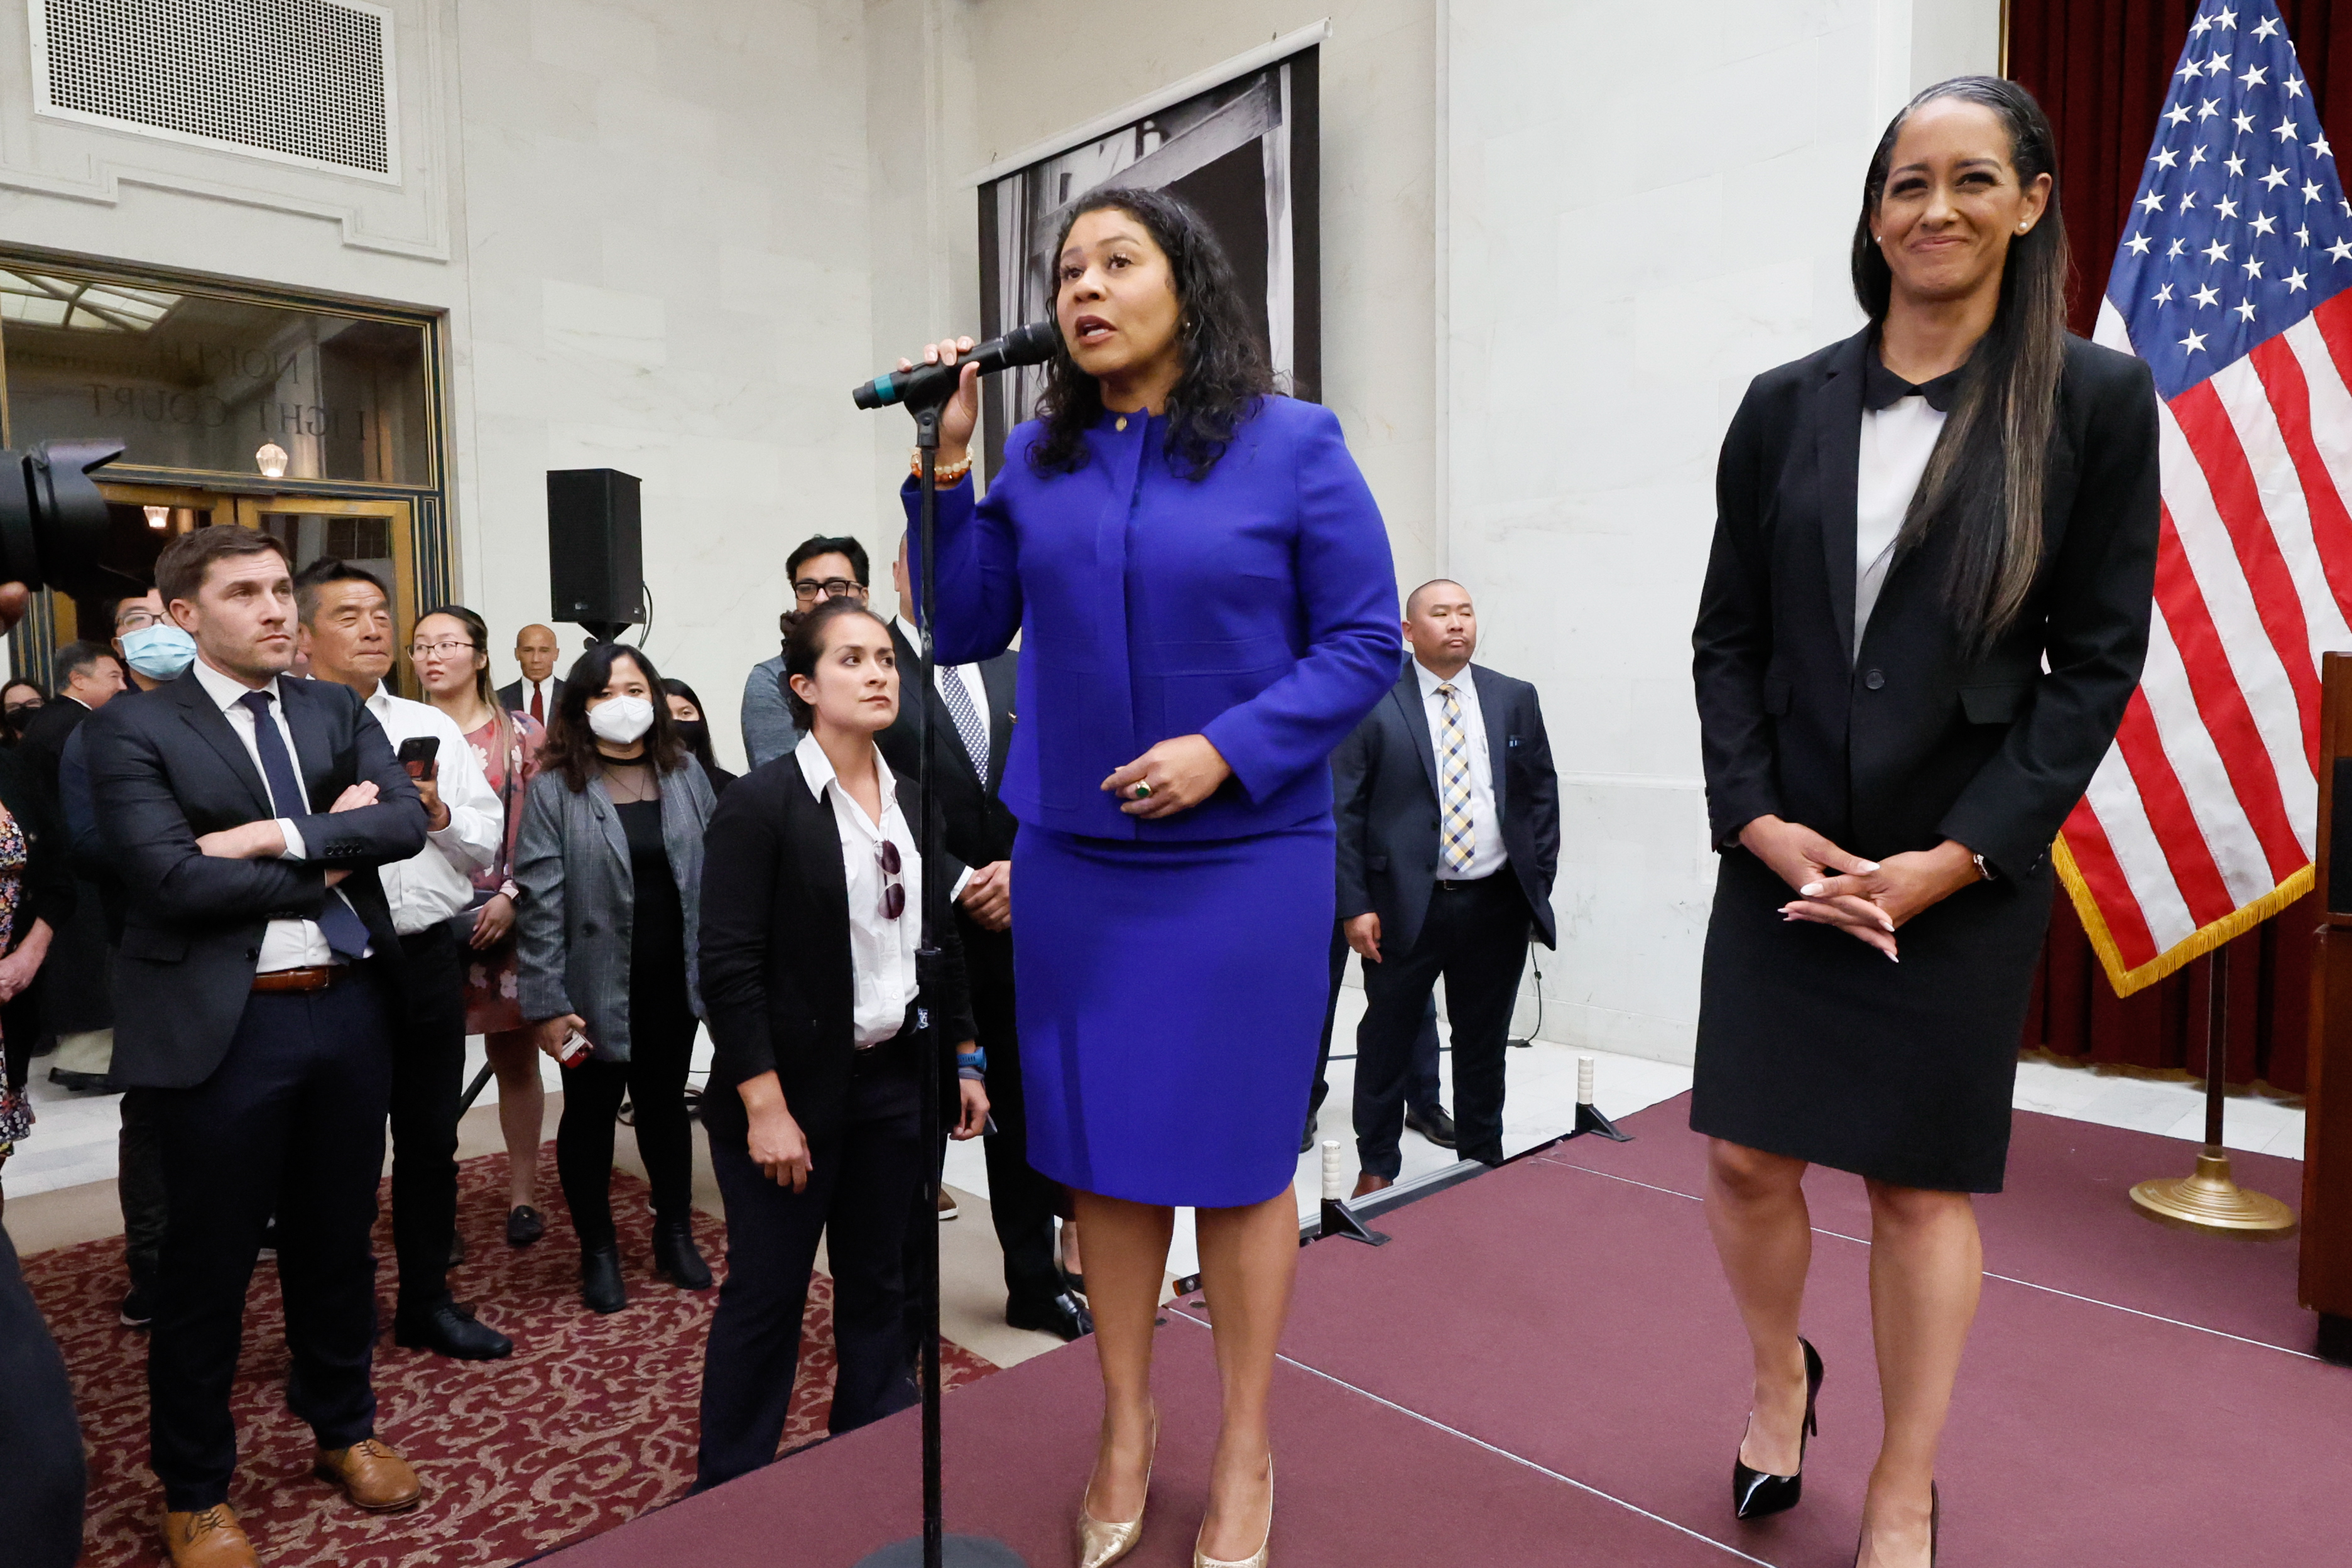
[1244, 152]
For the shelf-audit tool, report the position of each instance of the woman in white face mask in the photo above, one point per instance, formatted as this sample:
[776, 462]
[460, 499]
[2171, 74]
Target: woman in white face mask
[609, 863]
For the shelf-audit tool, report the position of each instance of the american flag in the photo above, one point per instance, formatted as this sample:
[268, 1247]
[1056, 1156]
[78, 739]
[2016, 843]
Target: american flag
[2232, 283]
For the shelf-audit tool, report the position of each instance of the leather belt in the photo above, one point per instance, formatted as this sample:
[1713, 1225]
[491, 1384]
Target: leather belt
[1466, 884]
[316, 978]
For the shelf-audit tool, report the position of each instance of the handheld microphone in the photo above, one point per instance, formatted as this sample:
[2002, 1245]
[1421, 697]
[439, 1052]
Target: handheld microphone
[931, 384]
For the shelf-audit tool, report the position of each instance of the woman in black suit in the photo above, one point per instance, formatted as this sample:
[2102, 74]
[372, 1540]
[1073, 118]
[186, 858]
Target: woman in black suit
[1926, 605]
[813, 906]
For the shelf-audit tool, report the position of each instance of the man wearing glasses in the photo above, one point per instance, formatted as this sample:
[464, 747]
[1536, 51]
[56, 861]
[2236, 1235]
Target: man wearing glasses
[824, 567]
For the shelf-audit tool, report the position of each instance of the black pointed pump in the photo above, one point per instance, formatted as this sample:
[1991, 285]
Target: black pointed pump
[1754, 1493]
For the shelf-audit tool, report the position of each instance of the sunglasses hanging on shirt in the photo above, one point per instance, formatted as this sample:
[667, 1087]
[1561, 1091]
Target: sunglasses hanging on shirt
[894, 892]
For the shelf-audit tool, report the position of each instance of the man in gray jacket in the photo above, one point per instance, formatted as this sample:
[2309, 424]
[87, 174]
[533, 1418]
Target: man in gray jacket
[824, 567]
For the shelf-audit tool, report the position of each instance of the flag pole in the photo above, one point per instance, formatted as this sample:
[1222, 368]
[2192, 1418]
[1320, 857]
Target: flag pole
[2211, 1199]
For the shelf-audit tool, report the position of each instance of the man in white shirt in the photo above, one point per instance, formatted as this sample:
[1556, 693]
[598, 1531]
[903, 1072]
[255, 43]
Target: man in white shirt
[1448, 819]
[346, 631]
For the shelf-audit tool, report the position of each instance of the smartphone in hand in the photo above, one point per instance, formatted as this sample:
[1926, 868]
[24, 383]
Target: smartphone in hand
[417, 753]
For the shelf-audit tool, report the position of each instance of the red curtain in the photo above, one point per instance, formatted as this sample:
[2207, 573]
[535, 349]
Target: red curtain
[2103, 71]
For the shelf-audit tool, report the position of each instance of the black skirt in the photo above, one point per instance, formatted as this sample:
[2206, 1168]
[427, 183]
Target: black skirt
[1812, 1045]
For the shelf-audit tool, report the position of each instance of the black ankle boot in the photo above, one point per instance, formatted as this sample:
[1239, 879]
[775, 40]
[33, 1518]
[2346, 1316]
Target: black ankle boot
[677, 1258]
[600, 1280]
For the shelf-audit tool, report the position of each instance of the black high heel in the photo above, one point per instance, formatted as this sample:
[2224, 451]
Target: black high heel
[1755, 1493]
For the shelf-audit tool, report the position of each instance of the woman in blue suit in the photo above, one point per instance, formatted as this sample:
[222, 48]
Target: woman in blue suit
[1202, 586]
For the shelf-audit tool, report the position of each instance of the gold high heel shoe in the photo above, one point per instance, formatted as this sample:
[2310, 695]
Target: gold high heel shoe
[1102, 1542]
[1258, 1560]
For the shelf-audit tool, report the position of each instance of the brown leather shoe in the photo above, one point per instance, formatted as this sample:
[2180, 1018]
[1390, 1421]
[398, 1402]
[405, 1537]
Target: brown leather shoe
[371, 1475]
[208, 1538]
[1367, 1184]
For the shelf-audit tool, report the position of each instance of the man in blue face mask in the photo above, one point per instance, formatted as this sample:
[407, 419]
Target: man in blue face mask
[153, 650]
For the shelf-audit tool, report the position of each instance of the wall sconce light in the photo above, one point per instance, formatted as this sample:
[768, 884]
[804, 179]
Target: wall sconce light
[271, 461]
[158, 516]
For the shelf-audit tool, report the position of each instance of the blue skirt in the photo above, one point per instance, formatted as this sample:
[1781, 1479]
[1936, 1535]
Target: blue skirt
[1170, 999]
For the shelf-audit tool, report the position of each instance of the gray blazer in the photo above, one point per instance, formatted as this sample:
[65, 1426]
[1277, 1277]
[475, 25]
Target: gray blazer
[574, 924]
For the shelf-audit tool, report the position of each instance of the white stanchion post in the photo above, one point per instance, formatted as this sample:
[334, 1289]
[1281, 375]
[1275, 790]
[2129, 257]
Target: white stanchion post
[1584, 1080]
[1331, 1180]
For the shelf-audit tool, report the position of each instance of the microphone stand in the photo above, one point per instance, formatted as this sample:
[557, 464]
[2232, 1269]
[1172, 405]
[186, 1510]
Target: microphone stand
[935, 1548]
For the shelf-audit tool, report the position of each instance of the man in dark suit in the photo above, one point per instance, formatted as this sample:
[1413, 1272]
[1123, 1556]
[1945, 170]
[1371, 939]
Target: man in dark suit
[73, 979]
[539, 690]
[1448, 815]
[969, 711]
[251, 998]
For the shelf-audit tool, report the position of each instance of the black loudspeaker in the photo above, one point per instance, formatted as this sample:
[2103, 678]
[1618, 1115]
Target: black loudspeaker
[595, 549]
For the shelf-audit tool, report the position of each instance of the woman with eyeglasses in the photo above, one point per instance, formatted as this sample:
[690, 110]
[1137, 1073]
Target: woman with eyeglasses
[814, 907]
[610, 864]
[19, 701]
[450, 650]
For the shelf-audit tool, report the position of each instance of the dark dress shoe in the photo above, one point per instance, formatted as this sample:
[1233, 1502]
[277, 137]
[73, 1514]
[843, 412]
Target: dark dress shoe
[1063, 1316]
[1755, 1493]
[600, 1280]
[81, 1082]
[677, 1258]
[1432, 1124]
[1367, 1184]
[525, 1225]
[450, 1330]
[1307, 1138]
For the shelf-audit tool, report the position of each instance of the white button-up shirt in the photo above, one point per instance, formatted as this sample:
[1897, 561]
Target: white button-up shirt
[438, 881]
[287, 943]
[1487, 854]
[881, 949]
[1896, 442]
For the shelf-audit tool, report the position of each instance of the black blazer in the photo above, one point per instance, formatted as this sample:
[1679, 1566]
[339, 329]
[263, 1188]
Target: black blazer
[167, 768]
[511, 697]
[778, 989]
[1913, 744]
[44, 740]
[979, 827]
[1384, 784]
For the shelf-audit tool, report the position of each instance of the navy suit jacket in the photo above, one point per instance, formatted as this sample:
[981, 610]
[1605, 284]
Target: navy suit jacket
[976, 825]
[1385, 778]
[1256, 606]
[168, 768]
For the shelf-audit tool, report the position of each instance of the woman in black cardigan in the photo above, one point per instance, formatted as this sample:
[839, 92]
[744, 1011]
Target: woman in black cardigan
[1926, 606]
[813, 906]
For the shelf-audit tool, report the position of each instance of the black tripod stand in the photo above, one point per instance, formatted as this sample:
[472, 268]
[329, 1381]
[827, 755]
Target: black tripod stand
[934, 1548]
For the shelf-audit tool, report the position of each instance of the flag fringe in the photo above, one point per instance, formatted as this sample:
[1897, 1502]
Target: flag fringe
[2227, 929]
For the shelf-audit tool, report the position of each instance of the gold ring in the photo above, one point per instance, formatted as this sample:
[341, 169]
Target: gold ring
[1143, 792]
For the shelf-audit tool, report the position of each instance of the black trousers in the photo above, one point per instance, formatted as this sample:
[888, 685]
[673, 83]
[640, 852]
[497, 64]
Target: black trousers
[1421, 1087]
[1021, 1203]
[290, 1123]
[138, 1151]
[42, 1478]
[428, 1083]
[860, 1198]
[1476, 935]
[661, 1045]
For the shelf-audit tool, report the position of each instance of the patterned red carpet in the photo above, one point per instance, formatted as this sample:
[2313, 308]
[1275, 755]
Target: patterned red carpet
[589, 1424]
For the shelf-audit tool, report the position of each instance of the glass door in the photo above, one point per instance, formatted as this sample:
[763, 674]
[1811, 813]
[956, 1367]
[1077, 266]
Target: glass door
[377, 536]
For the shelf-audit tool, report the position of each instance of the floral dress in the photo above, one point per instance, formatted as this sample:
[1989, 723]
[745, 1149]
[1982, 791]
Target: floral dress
[16, 1107]
[491, 1003]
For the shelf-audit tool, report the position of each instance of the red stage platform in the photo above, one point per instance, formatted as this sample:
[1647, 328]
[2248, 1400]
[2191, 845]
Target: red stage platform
[1544, 1367]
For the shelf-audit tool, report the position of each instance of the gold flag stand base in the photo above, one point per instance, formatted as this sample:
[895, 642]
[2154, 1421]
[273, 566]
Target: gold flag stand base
[2209, 1200]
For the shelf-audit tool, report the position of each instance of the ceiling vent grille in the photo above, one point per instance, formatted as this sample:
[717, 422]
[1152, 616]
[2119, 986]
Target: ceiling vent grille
[299, 81]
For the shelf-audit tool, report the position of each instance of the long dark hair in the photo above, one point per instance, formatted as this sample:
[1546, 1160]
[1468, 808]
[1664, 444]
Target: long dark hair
[1985, 478]
[700, 744]
[569, 747]
[1226, 371]
[480, 630]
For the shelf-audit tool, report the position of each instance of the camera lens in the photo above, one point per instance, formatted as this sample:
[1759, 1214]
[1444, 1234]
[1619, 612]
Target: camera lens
[53, 522]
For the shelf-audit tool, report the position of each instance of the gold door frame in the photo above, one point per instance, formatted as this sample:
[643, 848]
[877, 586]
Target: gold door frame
[401, 516]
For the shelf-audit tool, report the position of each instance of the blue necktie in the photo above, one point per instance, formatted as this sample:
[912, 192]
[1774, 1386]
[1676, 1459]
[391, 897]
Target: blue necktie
[343, 930]
[969, 729]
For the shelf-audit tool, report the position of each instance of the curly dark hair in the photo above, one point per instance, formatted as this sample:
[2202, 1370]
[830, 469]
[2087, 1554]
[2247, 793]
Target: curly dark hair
[1226, 372]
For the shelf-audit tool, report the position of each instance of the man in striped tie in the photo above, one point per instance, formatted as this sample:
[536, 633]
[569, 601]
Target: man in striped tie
[1448, 813]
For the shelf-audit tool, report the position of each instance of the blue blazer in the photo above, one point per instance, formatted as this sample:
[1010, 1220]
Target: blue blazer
[1256, 606]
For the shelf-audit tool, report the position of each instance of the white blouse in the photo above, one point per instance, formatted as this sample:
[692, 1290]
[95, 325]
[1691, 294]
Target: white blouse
[1896, 442]
[881, 949]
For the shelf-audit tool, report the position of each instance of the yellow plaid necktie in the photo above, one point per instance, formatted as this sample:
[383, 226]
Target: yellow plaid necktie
[1453, 779]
